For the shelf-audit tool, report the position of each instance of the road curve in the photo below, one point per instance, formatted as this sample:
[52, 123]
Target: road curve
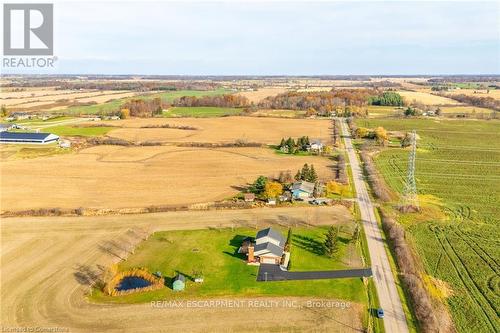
[394, 319]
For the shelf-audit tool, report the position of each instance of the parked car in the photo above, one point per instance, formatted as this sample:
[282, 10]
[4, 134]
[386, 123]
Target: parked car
[318, 202]
[380, 313]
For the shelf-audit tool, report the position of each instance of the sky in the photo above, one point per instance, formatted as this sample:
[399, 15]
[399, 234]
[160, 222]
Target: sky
[276, 38]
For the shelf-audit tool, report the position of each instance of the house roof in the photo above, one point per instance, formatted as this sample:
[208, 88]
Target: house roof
[316, 142]
[268, 247]
[272, 233]
[5, 125]
[27, 136]
[303, 186]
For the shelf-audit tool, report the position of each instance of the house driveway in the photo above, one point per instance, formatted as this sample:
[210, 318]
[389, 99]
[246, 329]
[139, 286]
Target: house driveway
[270, 272]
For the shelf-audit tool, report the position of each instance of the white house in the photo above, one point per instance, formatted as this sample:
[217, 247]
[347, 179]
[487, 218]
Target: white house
[316, 145]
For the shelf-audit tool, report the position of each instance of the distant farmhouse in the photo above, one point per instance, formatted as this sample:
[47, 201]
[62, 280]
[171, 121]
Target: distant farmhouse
[302, 190]
[5, 127]
[18, 116]
[268, 247]
[316, 145]
[27, 138]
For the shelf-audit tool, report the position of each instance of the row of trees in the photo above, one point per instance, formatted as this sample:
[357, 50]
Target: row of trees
[267, 188]
[291, 147]
[262, 186]
[322, 103]
[379, 134]
[483, 102]
[307, 173]
[225, 101]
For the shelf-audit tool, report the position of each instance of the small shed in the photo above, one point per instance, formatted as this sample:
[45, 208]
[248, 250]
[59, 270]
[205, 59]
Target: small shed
[179, 282]
[249, 197]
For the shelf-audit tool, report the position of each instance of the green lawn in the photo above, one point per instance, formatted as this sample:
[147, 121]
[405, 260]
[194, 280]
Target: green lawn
[226, 273]
[37, 121]
[68, 130]
[168, 97]
[201, 112]
[458, 167]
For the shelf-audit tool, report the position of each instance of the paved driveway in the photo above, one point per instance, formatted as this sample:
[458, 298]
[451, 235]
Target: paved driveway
[269, 272]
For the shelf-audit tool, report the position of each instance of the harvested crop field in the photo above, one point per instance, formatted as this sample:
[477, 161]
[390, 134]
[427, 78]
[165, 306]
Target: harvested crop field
[494, 93]
[62, 97]
[47, 265]
[426, 98]
[217, 130]
[258, 95]
[127, 177]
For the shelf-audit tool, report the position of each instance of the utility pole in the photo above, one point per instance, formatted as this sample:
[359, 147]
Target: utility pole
[409, 200]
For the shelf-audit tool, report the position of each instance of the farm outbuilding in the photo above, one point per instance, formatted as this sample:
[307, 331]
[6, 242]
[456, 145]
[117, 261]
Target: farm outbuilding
[27, 138]
[179, 282]
[5, 127]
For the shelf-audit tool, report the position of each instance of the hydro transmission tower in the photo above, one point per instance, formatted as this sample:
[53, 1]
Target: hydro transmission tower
[410, 198]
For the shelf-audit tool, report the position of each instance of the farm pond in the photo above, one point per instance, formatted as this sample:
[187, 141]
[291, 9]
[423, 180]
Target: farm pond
[132, 282]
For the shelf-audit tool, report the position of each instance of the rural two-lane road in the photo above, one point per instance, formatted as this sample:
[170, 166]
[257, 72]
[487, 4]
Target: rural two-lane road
[394, 320]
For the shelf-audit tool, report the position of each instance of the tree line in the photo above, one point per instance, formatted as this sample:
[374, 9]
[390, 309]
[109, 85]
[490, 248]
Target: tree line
[224, 101]
[345, 102]
[483, 102]
[143, 107]
[289, 145]
[388, 98]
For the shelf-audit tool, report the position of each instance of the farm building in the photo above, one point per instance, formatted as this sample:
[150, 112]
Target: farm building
[249, 197]
[27, 138]
[179, 282]
[5, 127]
[267, 248]
[316, 145]
[302, 190]
[18, 116]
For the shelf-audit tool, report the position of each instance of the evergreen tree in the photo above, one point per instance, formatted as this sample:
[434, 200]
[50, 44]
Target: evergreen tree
[291, 145]
[304, 174]
[288, 244]
[331, 241]
[259, 185]
[311, 175]
[282, 143]
[297, 175]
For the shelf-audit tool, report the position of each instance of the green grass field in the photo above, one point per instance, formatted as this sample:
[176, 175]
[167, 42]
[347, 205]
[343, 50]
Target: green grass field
[376, 111]
[36, 121]
[69, 130]
[167, 97]
[201, 112]
[226, 273]
[458, 167]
